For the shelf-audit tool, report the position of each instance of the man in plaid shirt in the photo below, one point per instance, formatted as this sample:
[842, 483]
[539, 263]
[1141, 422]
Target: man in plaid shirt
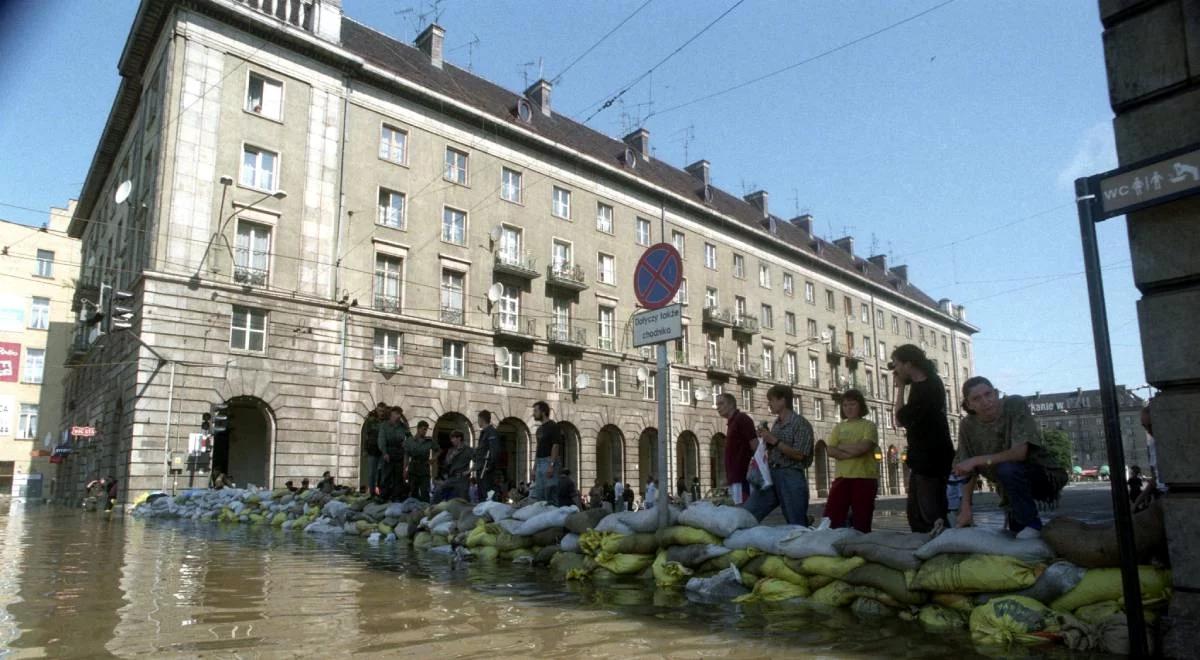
[789, 444]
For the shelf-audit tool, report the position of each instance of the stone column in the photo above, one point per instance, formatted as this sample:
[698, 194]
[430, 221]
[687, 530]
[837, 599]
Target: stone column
[1152, 49]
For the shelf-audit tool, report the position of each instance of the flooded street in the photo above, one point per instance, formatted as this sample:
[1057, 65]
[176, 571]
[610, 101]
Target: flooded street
[76, 585]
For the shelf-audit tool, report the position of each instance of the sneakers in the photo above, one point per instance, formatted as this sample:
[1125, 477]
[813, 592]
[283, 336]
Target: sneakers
[1029, 533]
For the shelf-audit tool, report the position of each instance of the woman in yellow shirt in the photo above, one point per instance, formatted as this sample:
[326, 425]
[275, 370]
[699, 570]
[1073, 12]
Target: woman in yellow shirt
[853, 443]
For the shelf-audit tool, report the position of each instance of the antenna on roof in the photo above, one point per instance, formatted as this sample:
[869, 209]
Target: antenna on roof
[525, 72]
[470, 46]
[687, 134]
[874, 244]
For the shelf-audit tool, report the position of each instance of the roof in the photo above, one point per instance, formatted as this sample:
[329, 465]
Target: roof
[1080, 400]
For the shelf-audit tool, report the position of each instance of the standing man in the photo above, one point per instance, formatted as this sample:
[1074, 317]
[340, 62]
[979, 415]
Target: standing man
[549, 449]
[392, 435]
[695, 489]
[458, 468]
[619, 496]
[739, 436]
[418, 454]
[486, 456]
[789, 452]
[651, 494]
[370, 445]
[930, 451]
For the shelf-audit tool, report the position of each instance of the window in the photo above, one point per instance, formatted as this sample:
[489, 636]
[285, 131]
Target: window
[879, 319]
[564, 373]
[739, 266]
[789, 284]
[713, 350]
[717, 390]
[454, 358]
[829, 300]
[870, 378]
[510, 308]
[453, 288]
[510, 245]
[248, 329]
[681, 347]
[648, 386]
[945, 343]
[747, 398]
[39, 319]
[921, 333]
[810, 293]
[814, 373]
[28, 422]
[767, 317]
[895, 325]
[387, 349]
[561, 203]
[604, 218]
[710, 256]
[764, 276]
[252, 253]
[768, 362]
[560, 256]
[454, 226]
[393, 144]
[681, 295]
[848, 306]
[813, 333]
[850, 341]
[791, 368]
[45, 264]
[883, 384]
[685, 391]
[866, 345]
[643, 231]
[965, 374]
[391, 208]
[606, 269]
[264, 96]
[908, 329]
[962, 349]
[607, 324]
[35, 364]
[388, 271]
[677, 240]
[561, 311]
[259, 168]
[789, 323]
[456, 166]
[608, 376]
[743, 356]
[711, 298]
[865, 313]
[739, 307]
[510, 371]
[510, 185]
[818, 409]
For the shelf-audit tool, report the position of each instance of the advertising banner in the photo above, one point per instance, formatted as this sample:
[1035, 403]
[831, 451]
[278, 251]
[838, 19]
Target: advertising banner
[10, 362]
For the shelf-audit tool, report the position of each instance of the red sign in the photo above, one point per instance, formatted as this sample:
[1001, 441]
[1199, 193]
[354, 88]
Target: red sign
[83, 431]
[10, 362]
[657, 276]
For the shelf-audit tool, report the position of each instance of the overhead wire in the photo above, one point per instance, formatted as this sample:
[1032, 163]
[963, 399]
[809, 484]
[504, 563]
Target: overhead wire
[557, 78]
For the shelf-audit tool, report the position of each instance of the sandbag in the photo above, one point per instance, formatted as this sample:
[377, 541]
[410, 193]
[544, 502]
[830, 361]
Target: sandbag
[695, 555]
[773, 590]
[486, 553]
[723, 586]
[1101, 584]
[543, 556]
[1097, 612]
[592, 541]
[684, 535]
[548, 537]
[645, 520]
[818, 581]
[564, 562]
[815, 542]
[936, 618]
[492, 510]
[445, 528]
[888, 580]
[764, 538]
[893, 549]
[958, 602]
[669, 573]
[531, 510]
[983, 541]
[1095, 545]
[467, 520]
[719, 520]
[544, 520]
[734, 558]
[569, 543]
[834, 567]
[1009, 619]
[749, 580]
[835, 594]
[437, 520]
[614, 524]
[479, 538]
[517, 555]
[510, 525]
[506, 542]
[974, 573]
[422, 540]
[1058, 578]
[871, 608]
[774, 566]
[638, 544]
[624, 564]
[581, 521]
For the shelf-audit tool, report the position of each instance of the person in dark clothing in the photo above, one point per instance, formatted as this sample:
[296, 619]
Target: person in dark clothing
[457, 470]
[567, 494]
[370, 445]
[610, 496]
[326, 485]
[419, 461]
[695, 489]
[110, 493]
[1135, 483]
[290, 486]
[487, 456]
[392, 435]
[739, 434]
[548, 454]
[628, 497]
[930, 451]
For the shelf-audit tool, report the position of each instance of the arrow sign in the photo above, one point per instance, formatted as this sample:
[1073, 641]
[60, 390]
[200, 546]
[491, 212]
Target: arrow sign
[657, 276]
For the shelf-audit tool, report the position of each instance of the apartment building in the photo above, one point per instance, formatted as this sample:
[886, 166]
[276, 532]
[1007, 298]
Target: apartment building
[1080, 416]
[321, 217]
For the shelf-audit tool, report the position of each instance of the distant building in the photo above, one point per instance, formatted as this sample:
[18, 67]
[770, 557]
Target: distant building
[1079, 414]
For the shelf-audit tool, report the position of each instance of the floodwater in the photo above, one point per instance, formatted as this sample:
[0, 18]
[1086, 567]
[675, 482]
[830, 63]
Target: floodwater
[75, 584]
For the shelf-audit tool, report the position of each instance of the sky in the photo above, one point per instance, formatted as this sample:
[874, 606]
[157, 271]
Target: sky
[943, 134]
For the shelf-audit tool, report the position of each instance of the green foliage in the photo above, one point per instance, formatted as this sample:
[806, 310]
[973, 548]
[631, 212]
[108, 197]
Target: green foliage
[1058, 443]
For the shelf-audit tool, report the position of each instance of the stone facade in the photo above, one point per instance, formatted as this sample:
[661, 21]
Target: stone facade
[333, 218]
[1079, 415]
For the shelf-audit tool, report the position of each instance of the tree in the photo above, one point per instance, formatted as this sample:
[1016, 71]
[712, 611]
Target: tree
[1058, 443]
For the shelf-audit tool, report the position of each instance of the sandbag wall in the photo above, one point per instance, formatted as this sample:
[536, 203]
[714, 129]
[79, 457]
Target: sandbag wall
[1002, 589]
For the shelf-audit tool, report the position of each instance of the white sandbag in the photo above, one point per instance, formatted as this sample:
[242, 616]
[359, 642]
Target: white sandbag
[334, 509]
[723, 586]
[496, 511]
[569, 543]
[813, 543]
[509, 525]
[763, 537]
[978, 540]
[412, 504]
[693, 555]
[430, 523]
[892, 549]
[394, 510]
[375, 511]
[613, 523]
[390, 538]
[374, 538]
[444, 528]
[323, 526]
[646, 520]
[546, 520]
[441, 550]
[530, 510]
[719, 520]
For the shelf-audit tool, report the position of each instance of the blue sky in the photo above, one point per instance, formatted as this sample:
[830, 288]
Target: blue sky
[948, 142]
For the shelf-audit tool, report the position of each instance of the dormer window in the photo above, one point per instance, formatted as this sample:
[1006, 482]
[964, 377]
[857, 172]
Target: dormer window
[525, 111]
[630, 158]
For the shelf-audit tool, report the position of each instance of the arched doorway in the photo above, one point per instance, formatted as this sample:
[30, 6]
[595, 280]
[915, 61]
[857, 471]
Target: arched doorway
[716, 461]
[514, 456]
[610, 455]
[448, 422]
[687, 461]
[647, 455]
[821, 462]
[245, 451]
[570, 457]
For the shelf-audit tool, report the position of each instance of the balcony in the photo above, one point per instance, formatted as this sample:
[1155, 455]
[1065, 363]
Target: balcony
[608, 343]
[745, 324]
[749, 371]
[514, 326]
[855, 355]
[81, 343]
[299, 13]
[387, 362]
[566, 276]
[247, 276]
[389, 304]
[718, 318]
[836, 351]
[681, 358]
[453, 315]
[716, 365]
[566, 335]
[522, 265]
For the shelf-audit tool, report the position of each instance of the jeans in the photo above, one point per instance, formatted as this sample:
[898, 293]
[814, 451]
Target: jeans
[789, 491]
[544, 488]
[373, 473]
[1023, 483]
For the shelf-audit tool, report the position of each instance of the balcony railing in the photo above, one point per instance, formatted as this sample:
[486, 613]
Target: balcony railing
[566, 334]
[293, 12]
[453, 315]
[567, 276]
[718, 365]
[750, 371]
[389, 304]
[718, 318]
[521, 264]
[385, 362]
[250, 276]
[514, 325]
[745, 324]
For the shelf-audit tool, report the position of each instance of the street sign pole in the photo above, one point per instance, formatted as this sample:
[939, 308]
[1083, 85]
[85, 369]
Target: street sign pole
[663, 385]
[1086, 199]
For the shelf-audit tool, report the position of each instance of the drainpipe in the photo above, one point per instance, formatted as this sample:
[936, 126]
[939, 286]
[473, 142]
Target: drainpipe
[167, 438]
[337, 443]
[341, 196]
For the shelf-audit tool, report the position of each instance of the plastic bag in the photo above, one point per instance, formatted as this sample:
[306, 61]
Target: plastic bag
[723, 586]
[759, 473]
[1010, 619]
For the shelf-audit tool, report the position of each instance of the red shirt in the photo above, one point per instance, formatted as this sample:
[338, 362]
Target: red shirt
[739, 430]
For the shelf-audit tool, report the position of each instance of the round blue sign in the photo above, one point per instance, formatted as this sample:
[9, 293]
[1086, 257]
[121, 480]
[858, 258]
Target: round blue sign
[658, 275]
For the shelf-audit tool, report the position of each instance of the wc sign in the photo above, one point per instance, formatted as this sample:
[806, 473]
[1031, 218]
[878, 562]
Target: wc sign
[1148, 183]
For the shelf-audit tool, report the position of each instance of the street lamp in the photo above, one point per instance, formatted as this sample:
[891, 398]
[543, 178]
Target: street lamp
[227, 181]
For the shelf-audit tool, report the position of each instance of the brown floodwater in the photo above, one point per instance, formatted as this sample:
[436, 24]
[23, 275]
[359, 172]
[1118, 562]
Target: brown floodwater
[75, 584]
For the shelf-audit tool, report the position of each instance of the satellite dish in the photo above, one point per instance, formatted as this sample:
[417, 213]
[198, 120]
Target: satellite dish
[699, 394]
[825, 336]
[123, 191]
[642, 374]
[500, 356]
[582, 381]
[495, 233]
[494, 291]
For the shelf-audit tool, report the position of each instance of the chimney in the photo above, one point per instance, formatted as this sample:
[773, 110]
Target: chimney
[846, 243]
[430, 42]
[946, 306]
[758, 199]
[804, 222]
[960, 312]
[699, 169]
[879, 260]
[901, 272]
[640, 141]
[328, 20]
[539, 93]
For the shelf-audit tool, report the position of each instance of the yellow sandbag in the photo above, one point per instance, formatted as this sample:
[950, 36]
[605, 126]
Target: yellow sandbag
[279, 519]
[384, 529]
[440, 539]
[422, 540]
[479, 537]
[486, 553]
[889, 580]
[959, 602]
[669, 573]
[684, 535]
[956, 573]
[936, 618]
[819, 581]
[578, 574]
[506, 542]
[776, 567]
[871, 608]
[257, 518]
[771, 590]
[516, 553]
[1097, 612]
[1011, 619]
[591, 541]
[563, 562]
[363, 526]
[834, 567]
[624, 564]
[141, 499]
[1101, 584]
[633, 544]
[736, 558]
[835, 594]
[749, 580]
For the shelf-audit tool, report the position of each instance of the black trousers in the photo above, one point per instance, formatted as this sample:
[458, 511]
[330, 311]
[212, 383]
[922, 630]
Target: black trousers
[394, 487]
[926, 502]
